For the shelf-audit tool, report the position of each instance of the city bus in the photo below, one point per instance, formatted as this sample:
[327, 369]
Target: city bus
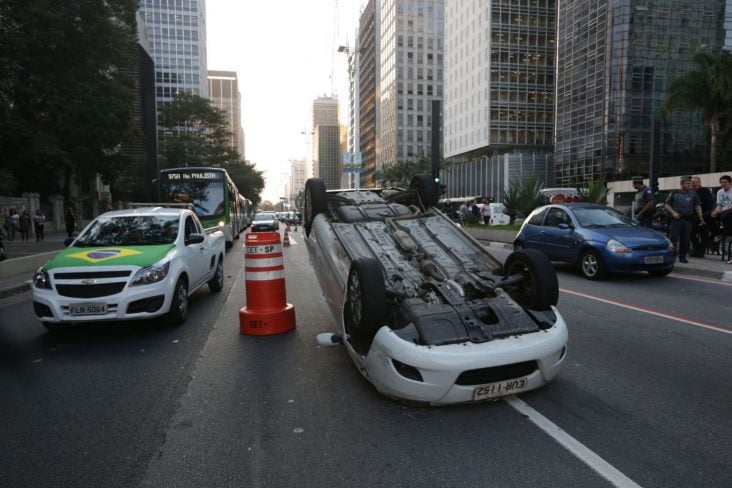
[215, 198]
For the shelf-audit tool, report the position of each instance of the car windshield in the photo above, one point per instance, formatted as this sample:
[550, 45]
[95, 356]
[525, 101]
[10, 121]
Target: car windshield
[263, 216]
[148, 230]
[601, 217]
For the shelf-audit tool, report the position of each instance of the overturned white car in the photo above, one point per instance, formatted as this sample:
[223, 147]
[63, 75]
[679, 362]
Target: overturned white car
[427, 314]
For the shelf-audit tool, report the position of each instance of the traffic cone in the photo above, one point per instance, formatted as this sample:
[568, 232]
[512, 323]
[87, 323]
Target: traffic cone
[286, 239]
[267, 311]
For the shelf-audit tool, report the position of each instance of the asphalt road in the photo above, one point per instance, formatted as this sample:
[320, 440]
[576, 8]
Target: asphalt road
[644, 399]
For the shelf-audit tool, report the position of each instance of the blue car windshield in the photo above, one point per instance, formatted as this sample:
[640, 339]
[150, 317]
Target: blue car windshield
[601, 217]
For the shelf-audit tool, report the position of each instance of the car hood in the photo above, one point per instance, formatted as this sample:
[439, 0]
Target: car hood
[141, 256]
[630, 236]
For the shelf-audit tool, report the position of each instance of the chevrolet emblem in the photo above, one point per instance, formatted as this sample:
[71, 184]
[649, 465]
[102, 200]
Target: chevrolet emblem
[88, 281]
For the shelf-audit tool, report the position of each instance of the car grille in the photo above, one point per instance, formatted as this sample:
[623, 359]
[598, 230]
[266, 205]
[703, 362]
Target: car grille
[90, 291]
[496, 373]
[91, 274]
[658, 247]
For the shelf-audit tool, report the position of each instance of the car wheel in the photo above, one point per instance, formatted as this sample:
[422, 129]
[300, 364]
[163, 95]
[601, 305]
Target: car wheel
[539, 289]
[216, 284]
[660, 272]
[426, 189]
[365, 310]
[591, 265]
[314, 201]
[179, 305]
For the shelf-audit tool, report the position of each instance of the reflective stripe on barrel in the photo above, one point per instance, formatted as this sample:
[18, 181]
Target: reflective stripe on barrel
[264, 263]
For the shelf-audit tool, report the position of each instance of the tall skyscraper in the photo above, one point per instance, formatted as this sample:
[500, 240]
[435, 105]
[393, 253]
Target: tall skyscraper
[499, 93]
[223, 88]
[728, 25]
[615, 59]
[411, 77]
[327, 164]
[297, 179]
[369, 95]
[176, 31]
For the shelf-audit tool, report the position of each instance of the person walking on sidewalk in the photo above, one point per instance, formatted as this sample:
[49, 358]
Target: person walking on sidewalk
[683, 204]
[11, 223]
[70, 221]
[700, 233]
[38, 221]
[24, 225]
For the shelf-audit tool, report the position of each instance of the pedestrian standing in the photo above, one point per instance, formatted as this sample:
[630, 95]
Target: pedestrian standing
[24, 226]
[38, 221]
[684, 205]
[645, 202]
[70, 221]
[700, 233]
[13, 220]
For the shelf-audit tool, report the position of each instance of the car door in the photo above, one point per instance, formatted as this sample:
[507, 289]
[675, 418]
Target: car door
[197, 255]
[557, 234]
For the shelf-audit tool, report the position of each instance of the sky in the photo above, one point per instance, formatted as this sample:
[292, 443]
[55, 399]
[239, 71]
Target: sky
[285, 55]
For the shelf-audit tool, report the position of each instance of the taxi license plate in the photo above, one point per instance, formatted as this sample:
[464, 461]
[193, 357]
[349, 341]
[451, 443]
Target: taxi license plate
[502, 388]
[77, 309]
[653, 260]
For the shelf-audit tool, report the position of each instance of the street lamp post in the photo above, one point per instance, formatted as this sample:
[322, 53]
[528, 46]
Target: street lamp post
[354, 75]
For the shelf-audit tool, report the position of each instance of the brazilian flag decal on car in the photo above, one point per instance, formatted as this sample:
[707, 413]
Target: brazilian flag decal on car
[110, 256]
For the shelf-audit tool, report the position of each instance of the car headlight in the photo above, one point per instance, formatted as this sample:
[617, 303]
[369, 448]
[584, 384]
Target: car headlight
[222, 224]
[613, 245]
[151, 274]
[41, 279]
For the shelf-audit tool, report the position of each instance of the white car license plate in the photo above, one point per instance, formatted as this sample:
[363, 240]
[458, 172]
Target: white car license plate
[502, 388]
[653, 260]
[87, 309]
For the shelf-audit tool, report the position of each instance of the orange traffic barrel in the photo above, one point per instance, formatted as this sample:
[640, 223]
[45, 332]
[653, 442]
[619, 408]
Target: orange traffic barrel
[267, 311]
[286, 239]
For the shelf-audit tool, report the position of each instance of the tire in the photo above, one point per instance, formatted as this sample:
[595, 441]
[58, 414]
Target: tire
[216, 283]
[314, 202]
[229, 244]
[591, 265]
[179, 305]
[660, 272]
[365, 309]
[540, 287]
[426, 190]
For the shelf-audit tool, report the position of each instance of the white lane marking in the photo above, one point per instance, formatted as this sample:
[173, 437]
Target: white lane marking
[724, 282]
[650, 311]
[595, 462]
[292, 241]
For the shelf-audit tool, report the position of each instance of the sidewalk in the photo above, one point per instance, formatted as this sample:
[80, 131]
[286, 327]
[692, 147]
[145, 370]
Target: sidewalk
[24, 258]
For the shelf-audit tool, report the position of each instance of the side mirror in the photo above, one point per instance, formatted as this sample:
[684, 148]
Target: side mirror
[68, 241]
[194, 239]
[564, 226]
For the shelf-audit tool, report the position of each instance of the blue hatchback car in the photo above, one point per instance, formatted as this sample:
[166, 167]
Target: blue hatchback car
[598, 238]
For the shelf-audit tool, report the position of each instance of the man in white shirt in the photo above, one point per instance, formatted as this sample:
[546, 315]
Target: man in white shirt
[723, 209]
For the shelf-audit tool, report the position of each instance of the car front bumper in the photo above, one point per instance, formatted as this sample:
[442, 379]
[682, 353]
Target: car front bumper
[636, 261]
[441, 367]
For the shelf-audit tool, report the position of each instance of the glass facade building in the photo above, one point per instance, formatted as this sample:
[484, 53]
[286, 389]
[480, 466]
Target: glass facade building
[176, 32]
[223, 88]
[411, 77]
[615, 59]
[327, 163]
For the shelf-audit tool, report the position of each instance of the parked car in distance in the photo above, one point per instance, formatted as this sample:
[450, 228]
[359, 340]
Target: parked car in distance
[598, 238]
[128, 265]
[265, 221]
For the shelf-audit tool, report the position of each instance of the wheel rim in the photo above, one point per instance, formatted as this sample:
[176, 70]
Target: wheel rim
[589, 265]
[220, 274]
[182, 300]
[354, 298]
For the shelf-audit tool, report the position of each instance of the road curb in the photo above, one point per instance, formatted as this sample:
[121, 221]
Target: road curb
[15, 289]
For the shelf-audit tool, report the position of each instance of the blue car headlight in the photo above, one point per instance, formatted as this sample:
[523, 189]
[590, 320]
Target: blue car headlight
[614, 245]
[41, 279]
[151, 274]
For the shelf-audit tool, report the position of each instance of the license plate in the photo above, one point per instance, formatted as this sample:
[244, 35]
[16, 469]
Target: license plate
[87, 309]
[502, 388]
[653, 259]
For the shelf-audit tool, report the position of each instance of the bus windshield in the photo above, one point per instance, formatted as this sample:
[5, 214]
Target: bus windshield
[207, 196]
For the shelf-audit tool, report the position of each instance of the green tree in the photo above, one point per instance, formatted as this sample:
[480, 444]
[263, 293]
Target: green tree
[593, 191]
[196, 134]
[401, 172]
[707, 88]
[66, 97]
[523, 195]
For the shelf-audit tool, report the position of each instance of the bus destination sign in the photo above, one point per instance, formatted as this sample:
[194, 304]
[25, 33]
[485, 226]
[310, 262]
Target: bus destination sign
[194, 175]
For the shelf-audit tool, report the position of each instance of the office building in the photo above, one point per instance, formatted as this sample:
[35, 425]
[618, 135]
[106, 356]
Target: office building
[499, 94]
[297, 180]
[368, 97]
[223, 89]
[615, 60]
[327, 148]
[176, 31]
[411, 61]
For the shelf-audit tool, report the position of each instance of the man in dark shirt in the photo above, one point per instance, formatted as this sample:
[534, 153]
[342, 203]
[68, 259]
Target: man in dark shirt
[699, 233]
[645, 202]
[684, 206]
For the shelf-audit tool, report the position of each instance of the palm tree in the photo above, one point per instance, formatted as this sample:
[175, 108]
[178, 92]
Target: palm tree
[708, 88]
